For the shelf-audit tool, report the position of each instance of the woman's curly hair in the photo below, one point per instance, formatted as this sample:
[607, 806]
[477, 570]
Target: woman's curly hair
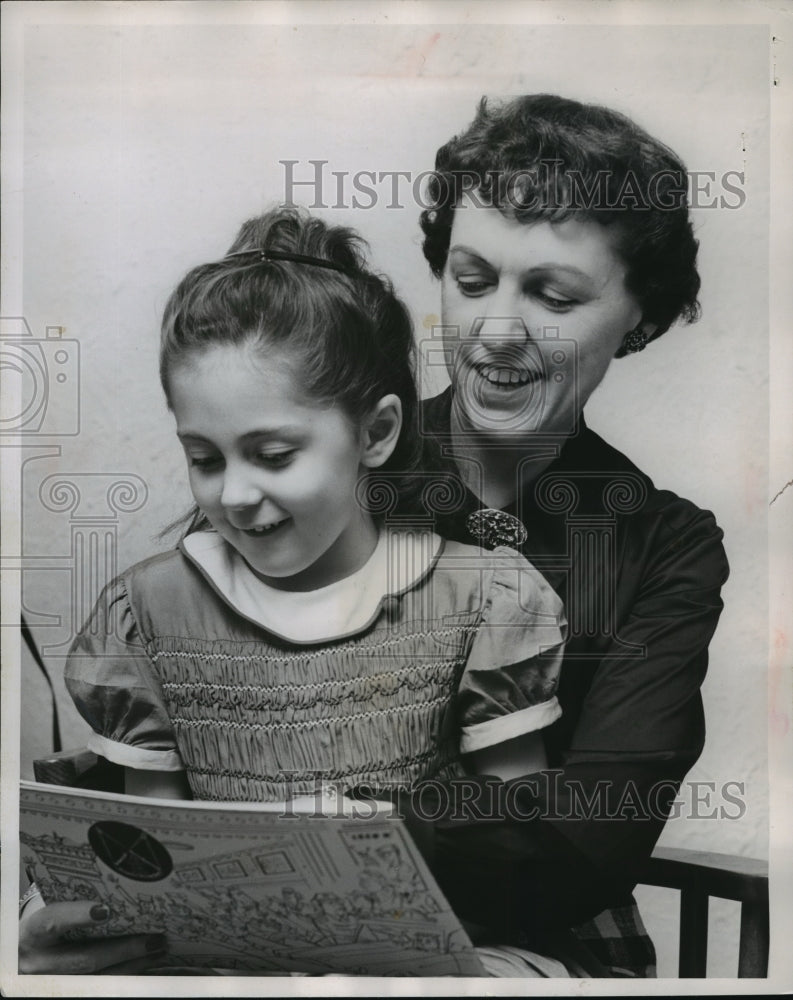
[543, 157]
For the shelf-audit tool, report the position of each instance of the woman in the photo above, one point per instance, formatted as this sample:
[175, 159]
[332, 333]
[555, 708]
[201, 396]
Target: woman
[561, 237]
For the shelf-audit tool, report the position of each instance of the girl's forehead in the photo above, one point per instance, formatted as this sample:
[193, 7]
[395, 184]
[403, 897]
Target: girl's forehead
[247, 364]
[236, 382]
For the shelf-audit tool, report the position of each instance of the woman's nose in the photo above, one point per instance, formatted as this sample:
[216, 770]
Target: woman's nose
[502, 321]
[503, 329]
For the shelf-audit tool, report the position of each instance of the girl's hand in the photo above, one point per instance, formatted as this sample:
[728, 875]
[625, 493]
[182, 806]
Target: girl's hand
[43, 948]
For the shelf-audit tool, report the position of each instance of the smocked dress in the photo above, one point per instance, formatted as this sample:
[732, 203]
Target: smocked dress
[432, 650]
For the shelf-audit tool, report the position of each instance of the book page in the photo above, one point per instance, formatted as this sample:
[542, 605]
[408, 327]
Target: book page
[247, 889]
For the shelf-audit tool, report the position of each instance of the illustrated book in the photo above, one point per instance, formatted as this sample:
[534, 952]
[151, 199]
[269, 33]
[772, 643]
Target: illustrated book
[248, 888]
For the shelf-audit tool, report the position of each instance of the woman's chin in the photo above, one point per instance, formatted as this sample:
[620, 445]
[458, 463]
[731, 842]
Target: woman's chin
[501, 415]
[506, 411]
[500, 408]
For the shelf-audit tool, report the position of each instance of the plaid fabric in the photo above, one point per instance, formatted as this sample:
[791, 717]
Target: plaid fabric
[619, 940]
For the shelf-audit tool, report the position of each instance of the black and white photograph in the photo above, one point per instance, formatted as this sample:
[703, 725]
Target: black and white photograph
[396, 453]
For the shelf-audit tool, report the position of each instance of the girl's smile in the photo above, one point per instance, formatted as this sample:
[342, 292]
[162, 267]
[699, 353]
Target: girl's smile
[266, 529]
[274, 472]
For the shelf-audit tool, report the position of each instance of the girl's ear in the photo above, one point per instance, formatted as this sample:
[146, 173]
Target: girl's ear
[380, 431]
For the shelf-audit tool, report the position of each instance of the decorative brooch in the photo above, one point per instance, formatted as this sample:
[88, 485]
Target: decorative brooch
[496, 527]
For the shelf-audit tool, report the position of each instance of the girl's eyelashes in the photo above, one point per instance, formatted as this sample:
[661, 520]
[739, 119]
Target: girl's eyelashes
[276, 459]
[271, 459]
[203, 461]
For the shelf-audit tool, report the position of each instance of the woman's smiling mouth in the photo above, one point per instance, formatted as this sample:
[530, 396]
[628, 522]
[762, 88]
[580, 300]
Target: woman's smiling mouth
[506, 377]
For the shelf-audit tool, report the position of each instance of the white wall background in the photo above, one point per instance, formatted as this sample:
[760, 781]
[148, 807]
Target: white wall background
[145, 147]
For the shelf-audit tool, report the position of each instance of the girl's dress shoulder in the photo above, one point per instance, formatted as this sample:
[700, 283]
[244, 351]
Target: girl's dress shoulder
[203, 589]
[170, 569]
[502, 576]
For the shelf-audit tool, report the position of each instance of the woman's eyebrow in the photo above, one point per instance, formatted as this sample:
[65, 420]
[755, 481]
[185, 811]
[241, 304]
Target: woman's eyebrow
[460, 248]
[545, 266]
[567, 268]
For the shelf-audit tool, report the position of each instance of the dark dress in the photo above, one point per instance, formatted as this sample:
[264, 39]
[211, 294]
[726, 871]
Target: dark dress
[640, 571]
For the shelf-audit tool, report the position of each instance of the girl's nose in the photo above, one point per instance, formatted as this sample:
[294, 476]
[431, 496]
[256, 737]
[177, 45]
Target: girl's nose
[239, 490]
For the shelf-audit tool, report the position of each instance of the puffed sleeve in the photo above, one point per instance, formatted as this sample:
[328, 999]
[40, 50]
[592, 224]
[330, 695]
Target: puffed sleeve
[509, 684]
[116, 689]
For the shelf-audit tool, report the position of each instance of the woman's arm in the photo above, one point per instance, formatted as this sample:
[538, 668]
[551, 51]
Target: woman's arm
[572, 840]
[156, 784]
[511, 759]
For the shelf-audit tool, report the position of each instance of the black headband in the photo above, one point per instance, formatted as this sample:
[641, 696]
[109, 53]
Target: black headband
[266, 256]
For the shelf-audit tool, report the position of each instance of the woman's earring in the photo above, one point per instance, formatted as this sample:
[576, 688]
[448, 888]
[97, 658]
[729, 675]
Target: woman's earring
[634, 341]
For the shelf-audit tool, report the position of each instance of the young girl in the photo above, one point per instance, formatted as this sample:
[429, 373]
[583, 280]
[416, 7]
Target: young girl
[295, 637]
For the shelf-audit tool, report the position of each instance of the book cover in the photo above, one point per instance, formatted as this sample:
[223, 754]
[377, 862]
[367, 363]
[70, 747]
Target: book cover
[248, 887]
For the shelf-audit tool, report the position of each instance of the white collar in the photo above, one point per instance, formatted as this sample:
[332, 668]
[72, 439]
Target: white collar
[400, 560]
